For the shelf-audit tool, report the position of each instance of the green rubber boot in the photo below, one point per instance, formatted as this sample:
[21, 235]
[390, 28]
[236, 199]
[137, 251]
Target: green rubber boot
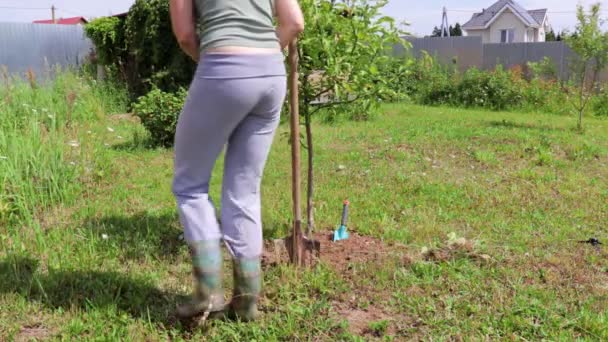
[208, 295]
[247, 288]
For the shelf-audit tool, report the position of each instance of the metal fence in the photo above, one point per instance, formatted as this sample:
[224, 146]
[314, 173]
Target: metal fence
[467, 52]
[42, 47]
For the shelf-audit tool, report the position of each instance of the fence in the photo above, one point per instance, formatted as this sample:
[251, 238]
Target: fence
[40, 47]
[467, 52]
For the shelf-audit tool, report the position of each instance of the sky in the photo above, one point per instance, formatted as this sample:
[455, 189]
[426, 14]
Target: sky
[422, 15]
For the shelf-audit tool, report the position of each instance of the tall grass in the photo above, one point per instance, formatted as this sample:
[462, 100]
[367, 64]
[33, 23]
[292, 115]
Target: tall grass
[40, 159]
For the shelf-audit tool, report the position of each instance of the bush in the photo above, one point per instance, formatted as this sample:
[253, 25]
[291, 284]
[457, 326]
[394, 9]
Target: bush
[429, 82]
[141, 49]
[600, 105]
[497, 90]
[159, 111]
[544, 69]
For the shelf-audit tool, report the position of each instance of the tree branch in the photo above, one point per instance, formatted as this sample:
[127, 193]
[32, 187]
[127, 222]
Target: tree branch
[320, 106]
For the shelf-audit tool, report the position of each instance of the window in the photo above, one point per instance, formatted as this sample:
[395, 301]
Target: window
[507, 36]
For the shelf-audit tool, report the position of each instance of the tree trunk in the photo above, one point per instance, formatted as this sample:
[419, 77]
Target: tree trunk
[310, 193]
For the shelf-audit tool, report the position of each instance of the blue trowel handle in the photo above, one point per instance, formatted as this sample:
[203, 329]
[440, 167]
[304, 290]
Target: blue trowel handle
[345, 213]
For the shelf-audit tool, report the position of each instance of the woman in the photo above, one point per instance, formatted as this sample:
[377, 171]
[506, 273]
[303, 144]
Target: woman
[235, 100]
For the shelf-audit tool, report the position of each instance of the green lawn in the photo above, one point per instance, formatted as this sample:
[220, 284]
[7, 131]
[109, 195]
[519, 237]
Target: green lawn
[522, 189]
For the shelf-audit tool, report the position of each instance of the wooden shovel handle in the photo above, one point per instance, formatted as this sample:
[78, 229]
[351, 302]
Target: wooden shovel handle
[297, 238]
[295, 129]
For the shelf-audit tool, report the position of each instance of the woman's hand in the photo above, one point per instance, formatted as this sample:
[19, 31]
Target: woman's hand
[291, 20]
[183, 22]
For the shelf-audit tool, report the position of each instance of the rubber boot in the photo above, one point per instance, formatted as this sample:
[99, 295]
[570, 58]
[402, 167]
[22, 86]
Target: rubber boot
[208, 294]
[247, 288]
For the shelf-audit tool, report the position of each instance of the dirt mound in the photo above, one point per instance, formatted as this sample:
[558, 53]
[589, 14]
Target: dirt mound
[338, 255]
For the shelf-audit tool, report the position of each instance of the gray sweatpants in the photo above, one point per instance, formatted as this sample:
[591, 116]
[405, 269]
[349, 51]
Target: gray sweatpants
[234, 100]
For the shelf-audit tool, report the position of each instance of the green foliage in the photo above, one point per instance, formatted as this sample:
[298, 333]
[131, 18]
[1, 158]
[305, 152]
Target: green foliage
[455, 31]
[591, 45]
[106, 34]
[495, 90]
[159, 112]
[341, 54]
[600, 105]
[544, 69]
[157, 59]
[41, 157]
[434, 84]
[429, 82]
[142, 49]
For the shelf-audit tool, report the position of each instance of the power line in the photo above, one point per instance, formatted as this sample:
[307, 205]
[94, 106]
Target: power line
[80, 14]
[74, 12]
[26, 8]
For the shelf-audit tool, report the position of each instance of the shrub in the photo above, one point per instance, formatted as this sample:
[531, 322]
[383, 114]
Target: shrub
[141, 49]
[600, 105]
[497, 90]
[430, 82]
[544, 69]
[159, 111]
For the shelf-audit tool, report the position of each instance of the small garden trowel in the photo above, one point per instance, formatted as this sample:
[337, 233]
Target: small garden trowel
[342, 233]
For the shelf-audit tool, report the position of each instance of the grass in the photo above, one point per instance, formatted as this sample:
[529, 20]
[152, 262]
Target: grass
[480, 214]
[37, 122]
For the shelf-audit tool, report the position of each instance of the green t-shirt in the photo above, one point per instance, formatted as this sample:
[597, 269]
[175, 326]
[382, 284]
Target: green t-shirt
[247, 23]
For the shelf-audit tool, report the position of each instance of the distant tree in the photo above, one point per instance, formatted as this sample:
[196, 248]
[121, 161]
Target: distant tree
[551, 36]
[436, 32]
[456, 31]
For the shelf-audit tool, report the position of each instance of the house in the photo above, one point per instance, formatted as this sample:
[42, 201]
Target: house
[64, 21]
[506, 21]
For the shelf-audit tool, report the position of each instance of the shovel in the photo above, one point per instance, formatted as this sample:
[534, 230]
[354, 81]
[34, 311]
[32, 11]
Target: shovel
[301, 249]
[342, 233]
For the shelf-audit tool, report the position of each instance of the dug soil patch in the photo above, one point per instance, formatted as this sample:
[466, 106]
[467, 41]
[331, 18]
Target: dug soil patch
[339, 255]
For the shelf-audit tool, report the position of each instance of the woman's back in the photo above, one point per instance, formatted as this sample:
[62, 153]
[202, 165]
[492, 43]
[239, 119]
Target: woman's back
[244, 23]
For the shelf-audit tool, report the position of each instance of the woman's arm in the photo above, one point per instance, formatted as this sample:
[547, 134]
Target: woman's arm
[184, 27]
[291, 20]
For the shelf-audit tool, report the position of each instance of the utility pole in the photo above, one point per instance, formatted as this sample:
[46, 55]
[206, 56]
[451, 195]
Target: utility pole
[445, 25]
[53, 8]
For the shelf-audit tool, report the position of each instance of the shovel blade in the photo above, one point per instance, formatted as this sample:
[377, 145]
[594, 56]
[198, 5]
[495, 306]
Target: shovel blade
[302, 250]
[341, 234]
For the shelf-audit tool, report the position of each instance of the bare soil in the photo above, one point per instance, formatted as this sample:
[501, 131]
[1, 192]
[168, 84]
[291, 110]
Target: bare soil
[339, 255]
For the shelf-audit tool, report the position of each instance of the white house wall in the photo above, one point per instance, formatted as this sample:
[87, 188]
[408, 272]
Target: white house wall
[507, 20]
[541, 34]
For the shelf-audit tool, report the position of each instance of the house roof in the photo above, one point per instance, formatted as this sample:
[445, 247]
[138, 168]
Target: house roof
[64, 21]
[539, 15]
[483, 19]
